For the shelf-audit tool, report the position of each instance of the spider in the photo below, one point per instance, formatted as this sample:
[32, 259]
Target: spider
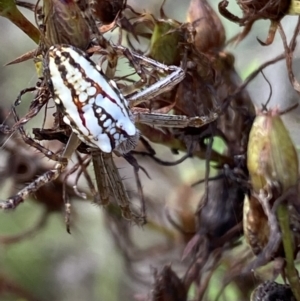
[100, 117]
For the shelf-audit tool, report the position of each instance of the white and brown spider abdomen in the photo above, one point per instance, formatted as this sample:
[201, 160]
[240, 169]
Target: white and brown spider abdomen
[92, 105]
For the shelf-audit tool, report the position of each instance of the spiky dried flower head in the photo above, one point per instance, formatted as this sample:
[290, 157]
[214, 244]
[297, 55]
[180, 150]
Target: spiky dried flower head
[264, 9]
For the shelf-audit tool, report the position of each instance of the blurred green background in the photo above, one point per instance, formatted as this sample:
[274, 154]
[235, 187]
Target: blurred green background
[86, 265]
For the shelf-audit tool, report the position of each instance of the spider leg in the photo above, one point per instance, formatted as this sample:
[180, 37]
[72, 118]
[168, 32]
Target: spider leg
[132, 161]
[49, 176]
[39, 101]
[29, 141]
[172, 76]
[101, 177]
[119, 191]
[66, 198]
[23, 92]
[82, 170]
[163, 85]
[116, 185]
[174, 121]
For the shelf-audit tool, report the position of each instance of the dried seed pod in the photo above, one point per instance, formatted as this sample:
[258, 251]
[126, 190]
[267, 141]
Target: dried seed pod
[168, 287]
[220, 209]
[219, 215]
[255, 225]
[273, 169]
[272, 157]
[210, 33]
[294, 8]
[64, 24]
[270, 290]
[269, 9]
[254, 10]
[107, 10]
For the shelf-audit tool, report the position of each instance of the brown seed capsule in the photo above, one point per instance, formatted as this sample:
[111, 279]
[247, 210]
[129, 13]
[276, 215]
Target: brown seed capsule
[64, 24]
[210, 33]
[107, 10]
[272, 157]
[221, 209]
